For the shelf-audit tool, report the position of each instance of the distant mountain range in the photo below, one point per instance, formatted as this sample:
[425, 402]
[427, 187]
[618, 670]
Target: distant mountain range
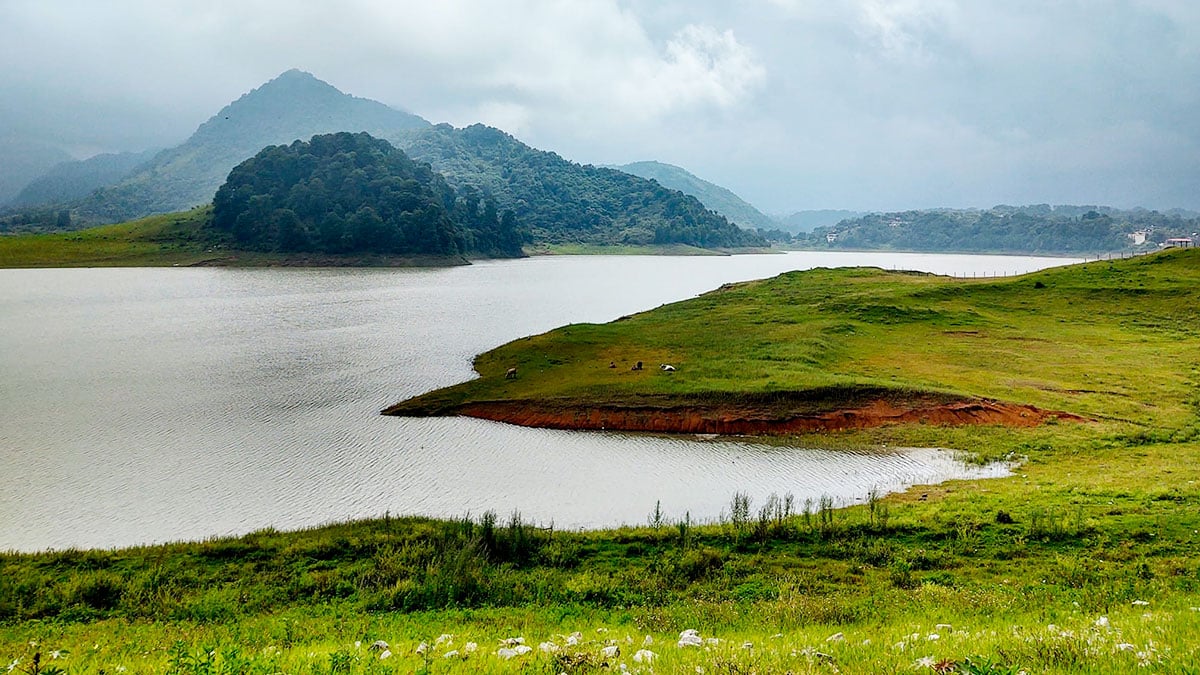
[807, 221]
[713, 196]
[22, 161]
[76, 179]
[293, 106]
[555, 201]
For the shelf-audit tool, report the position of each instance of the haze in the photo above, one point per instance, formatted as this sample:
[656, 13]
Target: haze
[793, 104]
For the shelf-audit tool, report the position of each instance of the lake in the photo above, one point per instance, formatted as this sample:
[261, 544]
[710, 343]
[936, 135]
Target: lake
[159, 404]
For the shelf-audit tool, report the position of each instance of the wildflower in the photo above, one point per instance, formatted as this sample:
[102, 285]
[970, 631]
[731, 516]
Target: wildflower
[444, 637]
[1140, 603]
[944, 626]
[57, 654]
[648, 641]
[644, 656]
[422, 648]
[932, 637]
[690, 638]
[548, 647]
[924, 662]
[378, 645]
[1124, 647]
[836, 637]
[121, 669]
[13, 666]
[776, 636]
[574, 639]
[470, 648]
[610, 652]
[1102, 622]
[385, 654]
[358, 644]
[513, 641]
[506, 653]
[450, 654]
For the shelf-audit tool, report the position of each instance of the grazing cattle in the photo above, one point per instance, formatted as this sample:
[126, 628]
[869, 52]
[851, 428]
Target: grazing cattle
[637, 366]
[612, 364]
[511, 374]
[666, 367]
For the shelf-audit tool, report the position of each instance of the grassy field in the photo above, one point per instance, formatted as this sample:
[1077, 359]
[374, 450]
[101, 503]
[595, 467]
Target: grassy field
[1085, 560]
[173, 239]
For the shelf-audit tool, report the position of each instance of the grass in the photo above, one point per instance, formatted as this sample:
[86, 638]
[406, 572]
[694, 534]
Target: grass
[173, 239]
[1083, 561]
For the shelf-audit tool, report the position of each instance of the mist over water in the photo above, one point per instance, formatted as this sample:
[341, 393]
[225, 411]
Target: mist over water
[150, 405]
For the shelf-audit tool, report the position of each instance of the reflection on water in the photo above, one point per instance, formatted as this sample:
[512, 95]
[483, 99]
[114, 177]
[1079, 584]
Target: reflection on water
[147, 405]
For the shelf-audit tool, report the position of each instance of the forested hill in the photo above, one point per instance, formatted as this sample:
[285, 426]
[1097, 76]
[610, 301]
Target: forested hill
[1025, 229]
[76, 179]
[352, 193]
[293, 106]
[719, 199]
[560, 202]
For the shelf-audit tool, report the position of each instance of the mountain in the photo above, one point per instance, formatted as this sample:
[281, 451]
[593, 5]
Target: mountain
[807, 221]
[1038, 228]
[713, 196]
[22, 161]
[293, 106]
[73, 180]
[352, 193]
[559, 202]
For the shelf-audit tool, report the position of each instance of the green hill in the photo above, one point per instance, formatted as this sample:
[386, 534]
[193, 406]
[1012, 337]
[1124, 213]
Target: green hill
[293, 106]
[351, 193]
[561, 202]
[713, 196]
[1023, 229]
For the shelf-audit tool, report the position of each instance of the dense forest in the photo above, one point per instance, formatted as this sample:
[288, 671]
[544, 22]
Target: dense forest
[563, 202]
[1027, 229]
[349, 193]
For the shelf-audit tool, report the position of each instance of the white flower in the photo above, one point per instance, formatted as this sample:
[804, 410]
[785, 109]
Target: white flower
[357, 644]
[943, 626]
[924, 662]
[712, 641]
[506, 653]
[1124, 647]
[747, 645]
[933, 636]
[1140, 603]
[378, 645]
[444, 637]
[522, 649]
[385, 654]
[1102, 622]
[470, 647]
[450, 654]
[644, 656]
[836, 637]
[56, 654]
[574, 639]
[513, 641]
[13, 666]
[548, 647]
[611, 651]
[422, 648]
[648, 641]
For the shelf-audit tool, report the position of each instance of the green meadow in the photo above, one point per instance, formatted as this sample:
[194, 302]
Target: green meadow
[1086, 559]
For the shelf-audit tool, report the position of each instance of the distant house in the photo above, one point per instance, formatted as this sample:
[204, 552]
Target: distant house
[831, 237]
[1179, 242]
[1138, 238]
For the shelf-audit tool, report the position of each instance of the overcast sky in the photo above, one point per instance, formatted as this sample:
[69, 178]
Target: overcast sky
[793, 104]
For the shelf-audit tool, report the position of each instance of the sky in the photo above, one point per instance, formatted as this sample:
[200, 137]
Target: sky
[793, 104]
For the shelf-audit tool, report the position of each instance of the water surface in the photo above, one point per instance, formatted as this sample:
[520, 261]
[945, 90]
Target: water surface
[149, 405]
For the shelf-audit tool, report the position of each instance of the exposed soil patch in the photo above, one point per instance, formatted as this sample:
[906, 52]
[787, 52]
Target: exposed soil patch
[713, 417]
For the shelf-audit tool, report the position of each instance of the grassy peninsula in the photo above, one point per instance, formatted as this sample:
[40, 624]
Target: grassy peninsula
[1083, 561]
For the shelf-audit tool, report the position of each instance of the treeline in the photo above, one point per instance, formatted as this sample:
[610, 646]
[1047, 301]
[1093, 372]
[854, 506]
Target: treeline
[1028, 229]
[559, 201]
[352, 193]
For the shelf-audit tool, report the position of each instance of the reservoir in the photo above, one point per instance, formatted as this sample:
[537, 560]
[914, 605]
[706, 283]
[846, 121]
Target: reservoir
[159, 404]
